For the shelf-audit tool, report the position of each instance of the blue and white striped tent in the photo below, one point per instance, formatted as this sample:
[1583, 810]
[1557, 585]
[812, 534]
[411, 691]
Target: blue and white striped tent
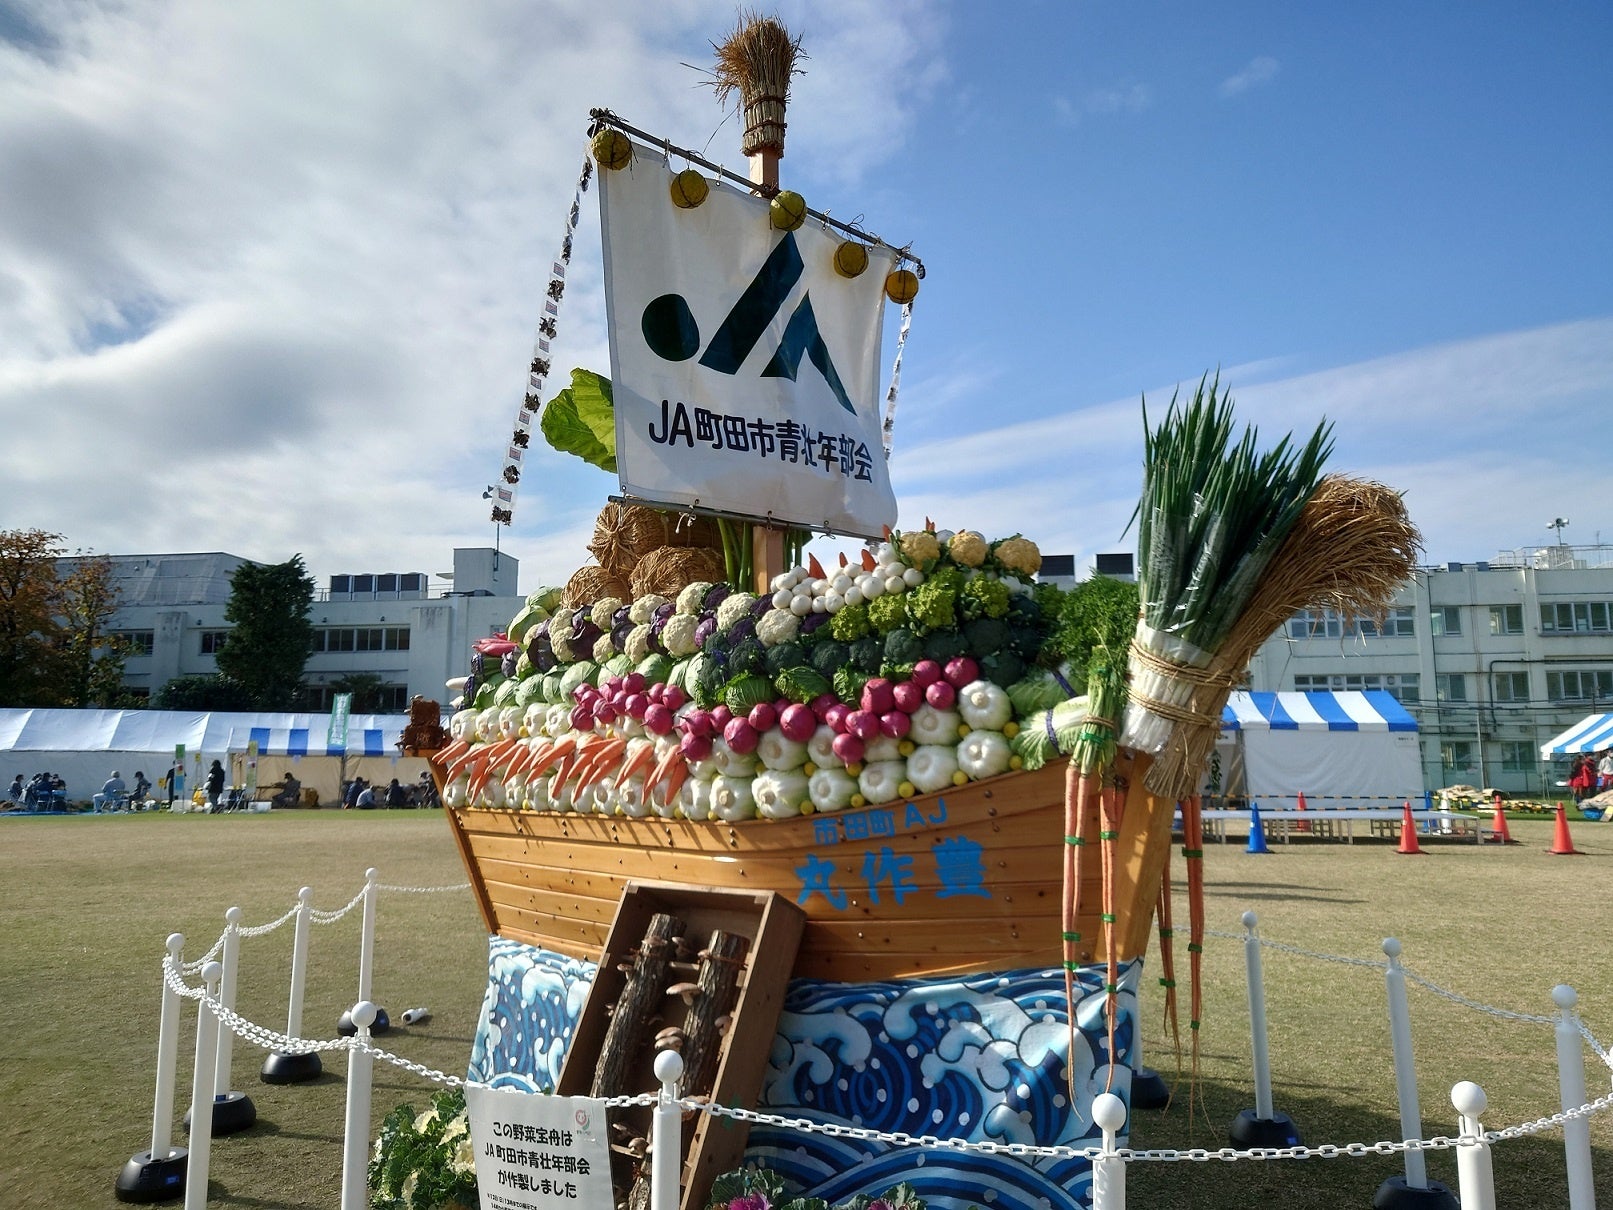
[1590, 734]
[1338, 749]
[314, 740]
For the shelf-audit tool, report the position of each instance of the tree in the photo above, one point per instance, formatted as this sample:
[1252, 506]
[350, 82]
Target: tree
[271, 636]
[201, 693]
[54, 646]
[366, 689]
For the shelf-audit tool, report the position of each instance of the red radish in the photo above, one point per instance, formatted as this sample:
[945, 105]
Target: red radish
[695, 747]
[611, 684]
[835, 716]
[941, 695]
[926, 672]
[781, 704]
[606, 712]
[633, 682]
[848, 748]
[740, 736]
[822, 704]
[762, 716]
[864, 724]
[720, 715]
[895, 724]
[698, 722]
[673, 698]
[657, 719]
[636, 704]
[797, 723]
[655, 691]
[908, 696]
[961, 671]
[877, 695]
[582, 718]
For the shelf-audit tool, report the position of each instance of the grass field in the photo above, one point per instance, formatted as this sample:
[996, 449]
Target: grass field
[87, 903]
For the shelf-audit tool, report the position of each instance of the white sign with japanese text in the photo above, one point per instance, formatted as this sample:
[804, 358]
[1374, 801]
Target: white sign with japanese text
[745, 370]
[536, 1152]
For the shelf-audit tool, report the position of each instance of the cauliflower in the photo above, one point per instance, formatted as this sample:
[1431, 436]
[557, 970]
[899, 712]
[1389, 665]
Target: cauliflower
[692, 599]
[560, 639]
[931, 767]
[920, 549]
[967, 548]
[677, 636]
[735, 606]
[601, 612]
[603, 648]
[778, 626]
[638, 643]
[644, 608]
[1018, 556]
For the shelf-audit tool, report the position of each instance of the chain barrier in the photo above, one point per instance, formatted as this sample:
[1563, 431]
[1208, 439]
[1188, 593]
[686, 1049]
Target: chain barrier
[259, 930]
[422, 890]
[319, 916]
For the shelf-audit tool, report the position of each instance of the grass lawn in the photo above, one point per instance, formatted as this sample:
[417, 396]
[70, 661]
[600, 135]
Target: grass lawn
[88, 902]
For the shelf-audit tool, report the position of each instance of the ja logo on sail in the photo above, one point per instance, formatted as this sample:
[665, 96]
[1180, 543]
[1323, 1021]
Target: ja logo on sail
[672, 333]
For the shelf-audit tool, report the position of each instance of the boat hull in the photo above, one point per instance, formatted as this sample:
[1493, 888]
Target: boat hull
[967, 880]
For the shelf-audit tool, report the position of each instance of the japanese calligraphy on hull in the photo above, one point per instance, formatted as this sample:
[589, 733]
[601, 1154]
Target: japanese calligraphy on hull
[745, 369]
[967, 880]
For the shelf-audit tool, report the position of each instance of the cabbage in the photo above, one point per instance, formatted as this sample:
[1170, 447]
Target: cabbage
[1040, 690]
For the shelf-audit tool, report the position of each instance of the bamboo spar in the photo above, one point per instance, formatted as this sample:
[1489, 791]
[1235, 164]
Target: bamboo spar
[767, 543]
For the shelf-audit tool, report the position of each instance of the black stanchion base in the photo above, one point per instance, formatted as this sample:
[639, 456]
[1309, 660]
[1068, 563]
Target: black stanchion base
[291, 1069]
[144, 1179]
[1276, 1131]
[233, 1112]
[347, 1029]
[1395, 1194]
[1149, 1090]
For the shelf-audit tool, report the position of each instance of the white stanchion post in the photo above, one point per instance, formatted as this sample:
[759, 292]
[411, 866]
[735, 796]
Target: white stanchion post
[226, 996]
[366, 951]
[295, 1068]
[1255, 971]
[1109, 1170]
[162, 1113]
[356, 1131]
[666, 1140]
[1411, 1117]
[1474, 1175]
[1571, 1084]
[201, 1092]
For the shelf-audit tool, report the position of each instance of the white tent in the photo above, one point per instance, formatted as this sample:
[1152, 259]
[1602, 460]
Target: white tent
[1347, 748]
[84, 746]
[1590, 734]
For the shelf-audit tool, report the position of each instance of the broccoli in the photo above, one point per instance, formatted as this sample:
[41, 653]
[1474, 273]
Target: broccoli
[944, 645]
[903, 647]
[747, 656]
[985, 636]
[887, 613]
[933, 604]
[1025, 641]
[829, 656]
[1023, 609]
[784, 655]
[983, 597]
[709, 683]
[850, 623]
[866, 654]
[1002, 668]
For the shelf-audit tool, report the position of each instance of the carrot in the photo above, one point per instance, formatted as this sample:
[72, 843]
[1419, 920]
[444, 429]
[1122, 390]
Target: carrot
[1076, 792]
[1113, 806]
[815, 568]
[1167, 966]
[551, 755]
[450, 751]
[675, 777]
[640, 753]
[673, 755]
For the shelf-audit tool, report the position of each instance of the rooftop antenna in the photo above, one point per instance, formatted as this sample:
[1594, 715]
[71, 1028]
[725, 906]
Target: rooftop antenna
[1558, 523]
[487, 494]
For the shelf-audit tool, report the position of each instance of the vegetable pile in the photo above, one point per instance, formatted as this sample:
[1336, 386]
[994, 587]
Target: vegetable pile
[904, 672]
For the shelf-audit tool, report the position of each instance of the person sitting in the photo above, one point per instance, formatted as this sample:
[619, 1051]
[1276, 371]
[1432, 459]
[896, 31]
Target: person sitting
[396, 795]
[111, 796]
[16, 793]
[141, 791]
[366, 798]
[290, 793]
[350, 797]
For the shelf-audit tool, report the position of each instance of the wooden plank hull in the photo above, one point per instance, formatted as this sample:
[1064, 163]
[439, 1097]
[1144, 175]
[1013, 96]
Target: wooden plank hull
[964, 881]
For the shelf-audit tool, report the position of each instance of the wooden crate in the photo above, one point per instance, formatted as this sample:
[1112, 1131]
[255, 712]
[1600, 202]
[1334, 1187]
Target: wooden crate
[773, 925]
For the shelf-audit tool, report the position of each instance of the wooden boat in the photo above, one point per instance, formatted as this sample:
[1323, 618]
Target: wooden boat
[965, 881]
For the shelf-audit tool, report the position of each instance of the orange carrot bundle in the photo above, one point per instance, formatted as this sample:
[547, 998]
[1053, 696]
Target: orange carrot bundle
[1077, 790]
[1113, 805]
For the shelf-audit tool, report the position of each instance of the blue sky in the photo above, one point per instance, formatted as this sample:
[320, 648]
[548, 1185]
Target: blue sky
[273, 269]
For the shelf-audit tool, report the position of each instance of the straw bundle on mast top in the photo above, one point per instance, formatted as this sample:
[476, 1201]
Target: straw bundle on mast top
[758, 61]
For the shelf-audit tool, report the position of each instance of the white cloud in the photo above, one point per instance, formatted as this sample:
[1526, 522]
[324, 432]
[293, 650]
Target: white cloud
[1127, 98]
[1262, 69]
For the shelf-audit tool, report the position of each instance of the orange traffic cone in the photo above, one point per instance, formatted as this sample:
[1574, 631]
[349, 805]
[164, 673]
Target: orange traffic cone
[1562, 844]
[1498, 826]
[1302, 825]
[1408, 834]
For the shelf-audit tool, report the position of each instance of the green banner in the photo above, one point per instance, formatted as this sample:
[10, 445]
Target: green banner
[336, 737]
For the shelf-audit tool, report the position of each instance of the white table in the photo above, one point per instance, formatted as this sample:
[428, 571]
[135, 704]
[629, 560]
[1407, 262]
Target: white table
[1284, 820]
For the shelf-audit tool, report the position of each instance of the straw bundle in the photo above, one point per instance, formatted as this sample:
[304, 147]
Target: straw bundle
[625, 533]
[758, 59]
[593, 583]
[692, 530]
[1350, 549]
[668, 570]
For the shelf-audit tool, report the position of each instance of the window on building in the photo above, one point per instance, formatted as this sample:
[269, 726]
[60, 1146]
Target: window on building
[1509, 686]
[1445, 620]
[137, 642]
[1580, 684]
[361, 638]
[1403, 686]
[1315, 624]
[1517, 756]
[1456, 755]
[1399, 623]
[1577, 617]
[1450, 687]
[213, 641]
[1506, 619]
